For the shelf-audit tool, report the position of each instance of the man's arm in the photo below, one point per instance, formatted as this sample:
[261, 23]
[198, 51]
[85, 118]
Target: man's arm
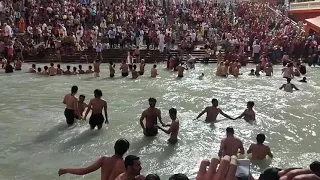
[241, 148]
[249, 150]
[141, 120]
[106, 112]
[282, 86]
[269, 153]
[294, 87]
[64, 100]
[88, 110]
[82, 171]
[241, 116]
[221, 148]
[164, 130]
[160, 118]
[225, 115]
[204, 111]
[76, 107]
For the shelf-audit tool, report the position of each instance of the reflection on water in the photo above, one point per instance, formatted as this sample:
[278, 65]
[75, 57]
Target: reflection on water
[35, 141]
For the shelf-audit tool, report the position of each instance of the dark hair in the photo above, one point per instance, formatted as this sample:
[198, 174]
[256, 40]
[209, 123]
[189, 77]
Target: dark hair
[270, 174]
[315, 167]
[230, 130]
[74, 68]
[80, 66]
[214, 102]
[129, 160]
[74, 89]
[173, 111]
[58, 65]
[51, 64]
[33, 65]
[68, 67]
[90, 67]
[250, 103]
[111, 62]
[178, 177]
[261, 138]
[97, 93]
[39, 69]
[152, 100]
[134, 67]
[154, 66]
[152, 177]
[288, 80]
[82, 96]
[121, 146]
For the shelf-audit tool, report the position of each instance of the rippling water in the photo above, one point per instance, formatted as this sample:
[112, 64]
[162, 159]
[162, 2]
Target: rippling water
[35, 142]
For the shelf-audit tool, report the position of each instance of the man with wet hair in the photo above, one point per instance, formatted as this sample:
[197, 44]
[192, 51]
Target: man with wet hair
[111, 167]
[97, 105]
[174, 127]
[212, 112]
[152, 114]
[260, 151]
[71, 103]
[230, 145]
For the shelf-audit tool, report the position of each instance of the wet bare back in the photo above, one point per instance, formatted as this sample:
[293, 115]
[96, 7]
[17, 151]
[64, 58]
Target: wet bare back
[230, 146]
[212, 113]
[97, 105]
[70, 102]
[259, 151]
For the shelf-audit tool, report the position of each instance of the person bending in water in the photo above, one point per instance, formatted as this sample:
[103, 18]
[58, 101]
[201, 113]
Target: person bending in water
[249, 115]
[289, 86]
[174, 127]
[259, 151]
[304, 80]
[71, 103]
[81, 104]
[97, 105]
[152, 114]
[230, 145]
[111, 166]
[212, 112]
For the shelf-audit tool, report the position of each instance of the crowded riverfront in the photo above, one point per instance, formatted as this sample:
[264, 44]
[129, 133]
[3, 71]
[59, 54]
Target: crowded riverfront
[252, 114]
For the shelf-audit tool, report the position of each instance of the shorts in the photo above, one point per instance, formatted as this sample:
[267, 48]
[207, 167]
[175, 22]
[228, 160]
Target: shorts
[125, 74]
[70, 116]
[111, 75]
[151, 132]
[180, 76]
[141, 73]
[96, 120]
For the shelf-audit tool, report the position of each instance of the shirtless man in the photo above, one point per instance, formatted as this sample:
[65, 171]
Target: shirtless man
[181, 70]
[17, 65]
[124, 69]
[152, 114]
[174, 127]
[142, 65]
[134, 72]
[212, 112]
[133, 167]
[112, 69]
[67, 72]
[111, 167]
[80, 71]
[223, 69]
[74, 72]
[59, 70]
[33, 69]
[249, 115]
[96, 68]
[97, 105]
[259, 151]
[230, 145]
[268, 69]
[89, 71]
[45, 71]
[52, 70]
[81, 104]
[289, 86]
[154, 71]
[71, 103]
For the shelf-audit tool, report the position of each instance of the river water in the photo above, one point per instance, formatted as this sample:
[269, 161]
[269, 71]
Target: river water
[35, 141]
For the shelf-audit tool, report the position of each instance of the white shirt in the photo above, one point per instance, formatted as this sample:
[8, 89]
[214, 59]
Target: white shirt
[256, 48]
[161, 38]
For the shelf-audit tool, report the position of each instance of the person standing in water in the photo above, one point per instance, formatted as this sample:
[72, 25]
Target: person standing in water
[181, 69]
[111, 167]
[174, 127]
[152, 114]
[133, 167]
[112, 69]
[124, 69]
[249, 115]
[289, 86]
[154, 71]
[71, 103]
[259, 151]
[97, 105]
[212, 112]
[96, 68]
[52, 70]
[81, 104]
[230, 145]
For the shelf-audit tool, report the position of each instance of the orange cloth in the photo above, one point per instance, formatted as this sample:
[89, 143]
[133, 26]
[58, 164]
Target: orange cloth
[22, 26]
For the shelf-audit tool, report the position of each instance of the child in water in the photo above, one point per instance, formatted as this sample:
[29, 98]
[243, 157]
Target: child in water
[81, 104]
[249, 115]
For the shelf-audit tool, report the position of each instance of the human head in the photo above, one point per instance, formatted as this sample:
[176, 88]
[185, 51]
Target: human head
[80, 67]
[178, 177]
[252, 71]
[82, 98]
[288, 80]
[230, 131]
[152, 177]
[214, 102]
[260, 138]
[304, 78]
[58, 66]
[90, 67]
[250, 104]
[68, 68]
[74, 68]
[154, 66]
[33, 66]
[45, 68]
[39, 69]
[152, 102]
[173, 113]
[74, 89]
[111, 62]
[133, 165]
[97, 93]
[121, 146]
[270, 174]
[51, 64]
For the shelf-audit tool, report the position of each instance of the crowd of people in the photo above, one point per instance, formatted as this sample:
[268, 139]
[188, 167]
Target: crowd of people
[242, 30]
